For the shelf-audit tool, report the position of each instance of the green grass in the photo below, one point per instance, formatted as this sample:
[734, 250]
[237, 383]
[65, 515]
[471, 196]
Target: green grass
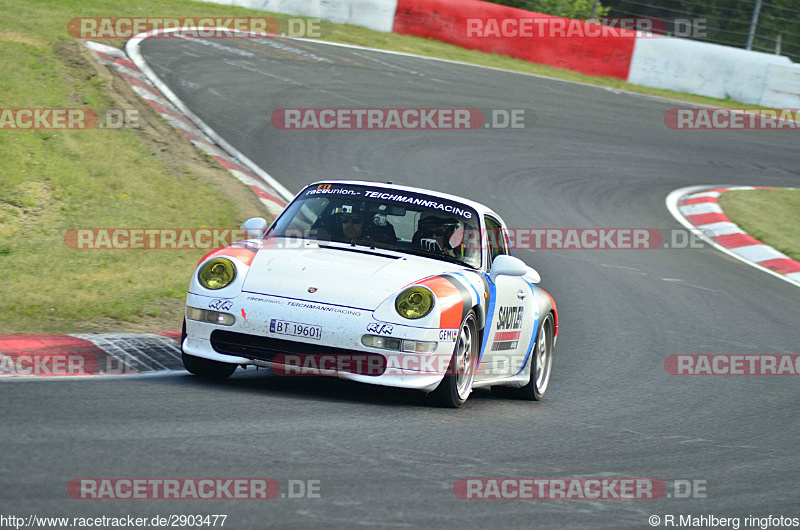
[771, 216]
[51, 181]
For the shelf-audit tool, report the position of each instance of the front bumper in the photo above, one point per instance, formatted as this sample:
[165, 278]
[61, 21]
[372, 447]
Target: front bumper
[338, 351]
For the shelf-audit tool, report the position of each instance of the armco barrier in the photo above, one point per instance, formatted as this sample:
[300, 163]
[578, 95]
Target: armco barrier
[446, 21]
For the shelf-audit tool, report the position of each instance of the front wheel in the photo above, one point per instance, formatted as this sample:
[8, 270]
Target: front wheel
[456, 386]
[205, 368]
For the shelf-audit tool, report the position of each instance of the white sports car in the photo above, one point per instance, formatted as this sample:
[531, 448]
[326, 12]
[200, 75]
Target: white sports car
[377, 283]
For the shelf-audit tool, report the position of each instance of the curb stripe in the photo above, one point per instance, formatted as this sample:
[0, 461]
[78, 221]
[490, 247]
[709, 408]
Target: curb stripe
[782, 265]
[264, 195]
[707, 218]
[759, 253]
[737, 240]
[720, 229]
[52, 344]
[698, 200]
[709, 206]
[727, 237]
[135, 81]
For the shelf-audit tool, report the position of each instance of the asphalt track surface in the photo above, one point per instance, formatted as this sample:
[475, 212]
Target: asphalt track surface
[590, 158]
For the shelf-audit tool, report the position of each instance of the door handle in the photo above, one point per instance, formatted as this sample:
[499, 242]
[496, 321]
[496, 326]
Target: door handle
[521, 294]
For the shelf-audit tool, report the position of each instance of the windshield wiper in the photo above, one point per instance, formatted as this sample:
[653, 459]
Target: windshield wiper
[371, 243]
[436, 255]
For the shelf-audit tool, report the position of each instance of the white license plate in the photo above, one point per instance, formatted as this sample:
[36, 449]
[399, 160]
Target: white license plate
[295, 329]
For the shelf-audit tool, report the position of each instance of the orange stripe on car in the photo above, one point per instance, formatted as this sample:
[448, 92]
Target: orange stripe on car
[243, 254]
[449, 299]
[555, 313]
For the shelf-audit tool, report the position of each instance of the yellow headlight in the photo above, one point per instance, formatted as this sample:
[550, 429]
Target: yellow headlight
[217, 273]
[414, 302]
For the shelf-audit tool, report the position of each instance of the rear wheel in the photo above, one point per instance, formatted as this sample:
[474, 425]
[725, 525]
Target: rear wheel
[456, 386]
[205, 368]
[540, 365]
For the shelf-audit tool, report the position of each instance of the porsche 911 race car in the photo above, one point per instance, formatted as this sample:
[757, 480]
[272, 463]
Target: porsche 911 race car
[376, 283]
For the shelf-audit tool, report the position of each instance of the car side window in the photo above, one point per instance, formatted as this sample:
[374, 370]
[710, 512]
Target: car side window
[497, 243]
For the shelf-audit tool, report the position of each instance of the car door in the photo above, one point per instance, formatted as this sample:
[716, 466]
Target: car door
[511, 317]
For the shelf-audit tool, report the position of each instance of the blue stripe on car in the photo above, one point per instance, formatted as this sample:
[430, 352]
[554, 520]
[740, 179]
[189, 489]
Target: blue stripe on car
[489, 314]
[466, 280]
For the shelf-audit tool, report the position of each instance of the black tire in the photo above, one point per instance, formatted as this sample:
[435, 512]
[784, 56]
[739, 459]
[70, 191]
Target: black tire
[205, 368]
[540, 367]
[456, 385]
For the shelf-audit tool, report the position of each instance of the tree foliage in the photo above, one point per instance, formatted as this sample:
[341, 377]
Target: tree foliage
[558, 8]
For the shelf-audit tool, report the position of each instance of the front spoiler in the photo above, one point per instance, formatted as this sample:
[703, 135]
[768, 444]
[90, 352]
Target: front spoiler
[393, 377]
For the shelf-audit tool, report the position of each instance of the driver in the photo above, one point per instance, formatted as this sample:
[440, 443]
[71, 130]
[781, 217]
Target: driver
[345, 223]
[352, 225]
[351, 221]
[433, 233]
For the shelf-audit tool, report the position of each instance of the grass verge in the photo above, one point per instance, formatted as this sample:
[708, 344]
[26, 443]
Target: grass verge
[150, 177]
[771, 216]
[55, 180]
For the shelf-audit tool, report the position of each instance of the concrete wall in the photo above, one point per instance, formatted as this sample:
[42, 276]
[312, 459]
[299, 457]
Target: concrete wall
[715, 71]
[783, 87]
[372, 14]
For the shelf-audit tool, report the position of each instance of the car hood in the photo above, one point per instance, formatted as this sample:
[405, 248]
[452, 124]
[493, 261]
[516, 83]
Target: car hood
[353, 276]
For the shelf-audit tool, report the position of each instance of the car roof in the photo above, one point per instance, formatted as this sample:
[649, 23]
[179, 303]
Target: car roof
[480, 208]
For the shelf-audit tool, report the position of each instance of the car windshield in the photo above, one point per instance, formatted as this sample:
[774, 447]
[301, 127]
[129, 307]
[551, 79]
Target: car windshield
[408, 222]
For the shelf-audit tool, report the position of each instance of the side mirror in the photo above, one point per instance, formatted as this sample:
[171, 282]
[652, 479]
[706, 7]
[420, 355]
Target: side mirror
[533, 276]
[254, 227]
[505, 265]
